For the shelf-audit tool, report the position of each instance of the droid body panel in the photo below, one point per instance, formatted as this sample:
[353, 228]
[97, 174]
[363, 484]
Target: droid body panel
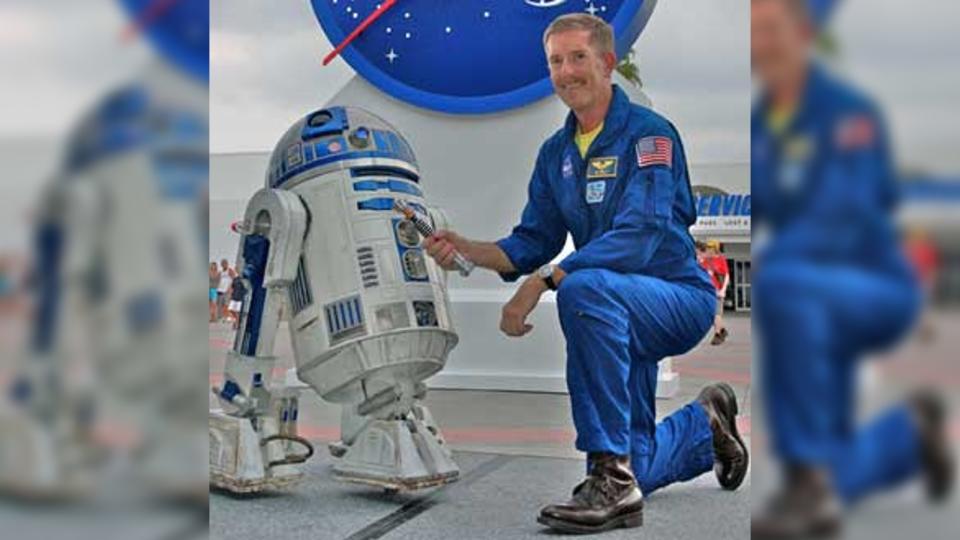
[368, 310]
[119, 246]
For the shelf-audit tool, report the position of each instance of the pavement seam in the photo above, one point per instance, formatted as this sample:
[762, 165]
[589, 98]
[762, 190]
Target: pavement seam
[412, 509]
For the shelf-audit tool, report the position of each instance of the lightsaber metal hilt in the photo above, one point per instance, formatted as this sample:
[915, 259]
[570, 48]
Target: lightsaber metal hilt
[464, 265]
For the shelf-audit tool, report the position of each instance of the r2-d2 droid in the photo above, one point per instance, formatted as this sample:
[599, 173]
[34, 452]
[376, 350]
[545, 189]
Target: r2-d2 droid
[368, 312]
[114, 342]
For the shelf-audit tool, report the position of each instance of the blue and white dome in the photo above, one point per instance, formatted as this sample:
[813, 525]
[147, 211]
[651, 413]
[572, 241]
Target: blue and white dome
[336, 138]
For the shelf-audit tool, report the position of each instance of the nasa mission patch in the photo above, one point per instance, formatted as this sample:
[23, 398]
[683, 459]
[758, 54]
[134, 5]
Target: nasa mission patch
[596, 191]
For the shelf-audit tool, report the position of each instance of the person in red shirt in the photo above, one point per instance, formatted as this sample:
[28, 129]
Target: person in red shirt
[710, 258]
[921, 251]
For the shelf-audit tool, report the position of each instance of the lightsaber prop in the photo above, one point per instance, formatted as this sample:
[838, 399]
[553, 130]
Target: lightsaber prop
[464, 266]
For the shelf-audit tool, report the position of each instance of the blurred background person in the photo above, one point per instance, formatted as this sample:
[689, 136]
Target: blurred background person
[213, 273]
[831, 285]
[716, 266]
[923, 254]
[238, 293]
[10, 289]
[223, 289]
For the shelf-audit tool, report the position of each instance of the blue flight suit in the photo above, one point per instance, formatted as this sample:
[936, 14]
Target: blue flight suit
[633, 293]
[831, 284]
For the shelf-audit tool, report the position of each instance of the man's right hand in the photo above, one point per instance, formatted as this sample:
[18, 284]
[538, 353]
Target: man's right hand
[442, 245]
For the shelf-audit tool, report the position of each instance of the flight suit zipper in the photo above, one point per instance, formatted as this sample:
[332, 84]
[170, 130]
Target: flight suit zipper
[650, 204]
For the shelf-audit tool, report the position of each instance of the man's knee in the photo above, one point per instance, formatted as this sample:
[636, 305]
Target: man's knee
[582, 288]
[778, 292]
[771, 282]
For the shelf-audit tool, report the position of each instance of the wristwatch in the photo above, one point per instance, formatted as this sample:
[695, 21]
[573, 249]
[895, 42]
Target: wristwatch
[546, 274]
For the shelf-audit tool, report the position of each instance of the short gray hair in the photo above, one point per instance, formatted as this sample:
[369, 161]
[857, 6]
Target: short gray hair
[601, 33]
[799, 9]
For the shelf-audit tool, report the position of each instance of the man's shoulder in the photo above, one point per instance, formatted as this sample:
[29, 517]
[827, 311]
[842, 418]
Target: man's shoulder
[555, 142]
[840, 98]
[644, 122]
[552, 148]
[851, 118]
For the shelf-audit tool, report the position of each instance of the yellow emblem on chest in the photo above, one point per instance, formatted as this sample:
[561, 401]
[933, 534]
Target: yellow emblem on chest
[798, 148]
[602, 167]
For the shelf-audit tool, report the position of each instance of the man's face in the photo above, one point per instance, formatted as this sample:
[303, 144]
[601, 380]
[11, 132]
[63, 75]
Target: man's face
[579, 73]
[224, 264]
[779, 41]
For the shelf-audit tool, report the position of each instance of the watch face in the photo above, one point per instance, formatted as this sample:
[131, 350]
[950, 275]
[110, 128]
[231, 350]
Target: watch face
[179, 29]
[464, 56]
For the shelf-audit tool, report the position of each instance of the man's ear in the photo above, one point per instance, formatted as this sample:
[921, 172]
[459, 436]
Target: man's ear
[610, 62]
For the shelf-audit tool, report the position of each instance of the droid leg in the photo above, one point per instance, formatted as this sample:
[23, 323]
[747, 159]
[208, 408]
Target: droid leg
[255, 446]
[390, 440]
[253, 439]
[46, 448]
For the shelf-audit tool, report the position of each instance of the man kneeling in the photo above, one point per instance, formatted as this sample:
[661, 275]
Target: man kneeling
[615, 178]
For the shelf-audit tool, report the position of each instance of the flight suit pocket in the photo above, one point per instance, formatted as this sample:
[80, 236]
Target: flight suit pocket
[658, 192]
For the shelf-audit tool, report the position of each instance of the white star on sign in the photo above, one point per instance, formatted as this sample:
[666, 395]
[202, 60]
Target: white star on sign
[592, 9]
[391, 56]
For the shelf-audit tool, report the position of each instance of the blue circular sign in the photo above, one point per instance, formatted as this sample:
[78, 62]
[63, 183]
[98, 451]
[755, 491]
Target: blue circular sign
[179, 29]
[464, 57]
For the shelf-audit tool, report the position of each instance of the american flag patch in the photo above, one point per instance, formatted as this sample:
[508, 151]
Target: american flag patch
[855, 132]
[655, 151]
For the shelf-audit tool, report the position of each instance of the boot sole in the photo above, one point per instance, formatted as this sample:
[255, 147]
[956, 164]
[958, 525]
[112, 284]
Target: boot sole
[731, 409]
[625, 521]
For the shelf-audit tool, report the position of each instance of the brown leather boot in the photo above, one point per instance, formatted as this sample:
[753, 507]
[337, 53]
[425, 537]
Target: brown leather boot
[936, 454]
[609, 498]
[806, 508]
[731, 458]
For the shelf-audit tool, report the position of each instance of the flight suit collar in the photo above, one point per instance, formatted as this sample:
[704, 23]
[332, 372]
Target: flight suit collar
[808, 99]
[613, 123]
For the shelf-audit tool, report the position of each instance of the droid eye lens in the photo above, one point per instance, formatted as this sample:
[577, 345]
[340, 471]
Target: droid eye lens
[320, 119]
[360, 137]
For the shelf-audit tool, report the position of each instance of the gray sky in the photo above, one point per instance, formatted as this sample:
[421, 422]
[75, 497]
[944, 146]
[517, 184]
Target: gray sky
[266, 72]
[58, 56]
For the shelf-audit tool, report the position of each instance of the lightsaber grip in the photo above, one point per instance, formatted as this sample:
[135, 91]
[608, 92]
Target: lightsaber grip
[464, 265]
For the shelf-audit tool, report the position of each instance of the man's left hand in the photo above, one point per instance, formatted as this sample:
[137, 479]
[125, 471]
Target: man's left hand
[514, 315]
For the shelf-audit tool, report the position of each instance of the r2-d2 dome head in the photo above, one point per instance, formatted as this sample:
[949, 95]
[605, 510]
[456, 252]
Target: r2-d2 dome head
[368, 308]
[331, 139]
